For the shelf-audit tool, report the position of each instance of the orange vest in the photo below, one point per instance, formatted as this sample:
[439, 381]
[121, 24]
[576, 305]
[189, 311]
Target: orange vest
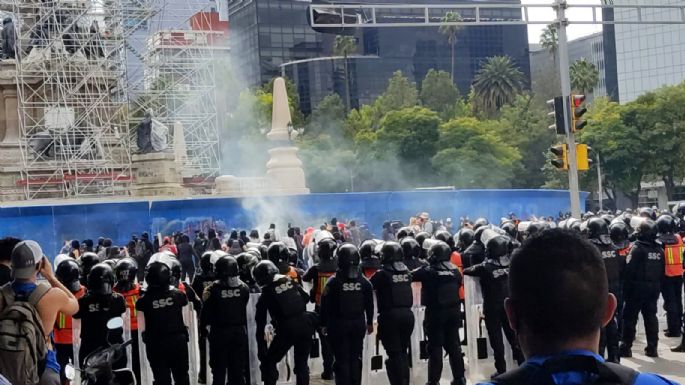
[292, 273]
[624, 252]
[62, 333]
[455, 259]
[674, 258]
[369, 272]
[131, 298]
[322, 280]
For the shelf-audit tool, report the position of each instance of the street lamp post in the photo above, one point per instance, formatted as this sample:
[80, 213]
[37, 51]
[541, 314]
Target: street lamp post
[599, 183]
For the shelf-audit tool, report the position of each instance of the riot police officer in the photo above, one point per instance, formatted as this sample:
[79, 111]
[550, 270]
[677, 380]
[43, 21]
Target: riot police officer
[279, 254]
[67, 273]
[464, 239]
[672, 282]
[224, 312]
[475, 254]
[618, 232]
[644, 269]
[201, 281]
[598, 234]
[346, 314]
[370, 261]
[392, 283]
[86, 262]
[246, 262]
[440, 282]
[286, 303]
[165, 335]
[318, 275]
[125, 272]
[494, 282]
[412, 252]
[99, 305]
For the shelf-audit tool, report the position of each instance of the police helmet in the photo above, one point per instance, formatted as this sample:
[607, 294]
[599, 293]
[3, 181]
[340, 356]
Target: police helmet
[125, 270]
[534, 228]
[326, 249]
[101, 279]
[480, 222]
[246, 262]
[226, 267]
[410, 248]
[443, 235]
[278, 253]
[264, 272]
[347, 255]
[510, 228]
[255, 252]
[158, 275]
[367, 250]
[206, 262]
[404, 232]
[86, 262]
[497, 243]
[618, 232]
[391, 252]
[175, 268]
[597, 228]
[646, 230]
[439, 252]
[479, 233]
[607, 218]
[68, 273]
[665, 224]
[465, 238]
[422, 236]
[679, 209]
[645, 212]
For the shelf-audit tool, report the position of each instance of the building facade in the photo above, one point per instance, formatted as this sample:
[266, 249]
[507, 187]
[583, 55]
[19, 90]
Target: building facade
[273, 37]
[648, 57]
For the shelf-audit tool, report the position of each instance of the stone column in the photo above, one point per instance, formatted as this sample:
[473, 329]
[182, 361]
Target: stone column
[3, 123]
[11, 115]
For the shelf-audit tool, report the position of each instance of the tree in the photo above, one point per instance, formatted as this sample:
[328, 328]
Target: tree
[497, 83]
[343, 46]
[400, 93]
[584, 76]
[439, 93]
[473, 155]
[451, 32]
[293, 100]
[549, 40]
[327, 117]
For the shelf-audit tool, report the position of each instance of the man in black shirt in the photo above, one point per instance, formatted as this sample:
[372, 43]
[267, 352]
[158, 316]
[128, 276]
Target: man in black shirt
[6, 246]
[165, 335]
[285, 302]
[187, 257]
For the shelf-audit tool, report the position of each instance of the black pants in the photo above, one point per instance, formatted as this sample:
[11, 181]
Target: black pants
[326, 350]
[347, 340]
[442, 332]
[202, 337]
[64, 352]
[672, 291]
[168, 356]
[188, 270]
[394, 330]
[641, 300]
[496, 322]
[611, 333]
[297, 334]
[227, 353]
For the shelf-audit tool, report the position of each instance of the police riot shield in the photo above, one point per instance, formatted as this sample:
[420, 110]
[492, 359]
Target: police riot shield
[418, 365]
[255, 373]
[127, 336]
[479, 352]
[76, 346]
[190, 320]
[145, 369]
[373, 365]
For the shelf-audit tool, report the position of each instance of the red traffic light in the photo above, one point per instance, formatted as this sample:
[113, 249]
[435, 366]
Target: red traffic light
[578, 100]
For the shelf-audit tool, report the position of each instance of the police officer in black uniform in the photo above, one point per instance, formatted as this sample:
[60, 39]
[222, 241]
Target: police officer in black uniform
[86, 262]
[246, 262]
[494, 282]
[464, 239]
[346, 314]
[642, 285]
[392, 283]
[99, 305]
[285, 301]
[598, 234]
[165, 335]
[202, 280]
[412, 252]
[475, 254]
[440, 282]
[224, 312]
[279, 254]
[370, 260]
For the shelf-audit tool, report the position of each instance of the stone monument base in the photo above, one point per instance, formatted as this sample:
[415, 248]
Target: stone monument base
[156, 174]
[9, 190]
[284, 172]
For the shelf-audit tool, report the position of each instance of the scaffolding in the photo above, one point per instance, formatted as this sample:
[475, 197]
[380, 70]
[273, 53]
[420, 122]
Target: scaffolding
[73, 134]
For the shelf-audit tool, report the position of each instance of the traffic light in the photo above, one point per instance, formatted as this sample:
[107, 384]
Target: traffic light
[561, 156]
[582, 159]
[556, 113]
[577, 112]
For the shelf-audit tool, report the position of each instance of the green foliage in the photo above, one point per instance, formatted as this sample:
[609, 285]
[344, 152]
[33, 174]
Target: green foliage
[451, 32]
[584, 76]
[439, 94]
[497, 83]
[549, 40]
[344, 45]
[400, 93]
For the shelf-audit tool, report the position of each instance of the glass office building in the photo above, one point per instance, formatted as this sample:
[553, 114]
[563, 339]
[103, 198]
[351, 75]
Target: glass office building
[272, 37]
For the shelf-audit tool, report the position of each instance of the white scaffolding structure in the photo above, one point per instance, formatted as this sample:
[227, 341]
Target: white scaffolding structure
[70, 98]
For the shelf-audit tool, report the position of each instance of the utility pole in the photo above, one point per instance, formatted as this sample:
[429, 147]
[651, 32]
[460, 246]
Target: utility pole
[574, 190]
[599, 183]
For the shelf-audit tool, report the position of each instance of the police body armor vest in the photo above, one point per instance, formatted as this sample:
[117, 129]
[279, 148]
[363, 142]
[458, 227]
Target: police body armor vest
[447, 293]
[131, 298]
[351, 299]
[400, 287]
[288, 298]
[324, 273]
[611, 262]
[231, 309]
[673, 252]
[63, 333]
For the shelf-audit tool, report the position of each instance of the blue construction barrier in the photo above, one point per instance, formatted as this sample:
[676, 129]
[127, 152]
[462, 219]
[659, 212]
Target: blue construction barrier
[52, 225]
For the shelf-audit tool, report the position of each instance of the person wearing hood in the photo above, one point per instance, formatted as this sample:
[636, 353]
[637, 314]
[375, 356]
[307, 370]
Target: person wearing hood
[494, 282]
[392, 284]
[440, 282]
[347, 314]
[642, 285]
[672, 282]
[598, 235]
[224, 312]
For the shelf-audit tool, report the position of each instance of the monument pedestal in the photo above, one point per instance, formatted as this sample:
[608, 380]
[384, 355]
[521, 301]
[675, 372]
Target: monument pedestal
[284, 172]
[156, 174]
[10, 173]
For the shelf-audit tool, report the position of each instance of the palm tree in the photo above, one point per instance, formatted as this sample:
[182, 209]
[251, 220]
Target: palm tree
[497, 83]
[549, 40]
[343, 46]
[451, 32]
[584, 76]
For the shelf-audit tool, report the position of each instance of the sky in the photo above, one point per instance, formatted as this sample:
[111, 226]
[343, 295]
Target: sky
[574, 31]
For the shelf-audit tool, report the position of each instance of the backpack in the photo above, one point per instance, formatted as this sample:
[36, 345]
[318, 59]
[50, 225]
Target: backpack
[23, 347]
[606, 373]
[139, 249]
